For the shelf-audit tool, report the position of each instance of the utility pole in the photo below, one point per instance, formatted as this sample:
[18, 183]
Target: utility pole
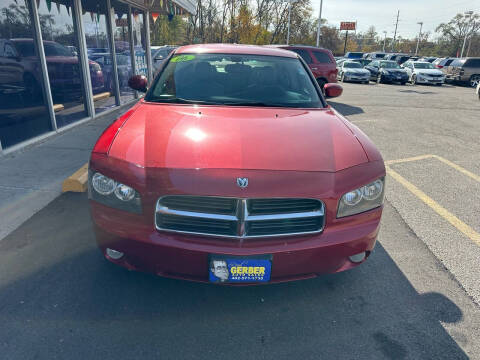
[469, 13]
[396, 27]
[319, 22]
[289, 12]
[384, 40]
[345, 46]
[419, 36]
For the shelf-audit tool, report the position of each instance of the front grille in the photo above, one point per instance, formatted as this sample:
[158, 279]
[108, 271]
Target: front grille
[435, 75]
[239, 218]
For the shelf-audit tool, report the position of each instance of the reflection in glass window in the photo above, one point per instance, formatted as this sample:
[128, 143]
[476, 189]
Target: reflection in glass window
[139, 42]
[98, 49]
[23, 110]
[122, 47]
[63, 61]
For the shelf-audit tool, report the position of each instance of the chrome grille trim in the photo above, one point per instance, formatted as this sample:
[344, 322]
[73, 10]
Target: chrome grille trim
[243, 219]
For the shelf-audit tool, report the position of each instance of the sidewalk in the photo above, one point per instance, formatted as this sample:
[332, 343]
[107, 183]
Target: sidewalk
[31, 178]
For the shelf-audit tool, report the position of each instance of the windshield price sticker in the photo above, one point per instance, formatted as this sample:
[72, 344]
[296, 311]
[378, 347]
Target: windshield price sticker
[181, 58]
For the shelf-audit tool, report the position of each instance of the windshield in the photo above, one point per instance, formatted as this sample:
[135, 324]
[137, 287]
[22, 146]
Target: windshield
[423, 65]
[354, 65]
[390, 65]
[54, 49]
[242, 80]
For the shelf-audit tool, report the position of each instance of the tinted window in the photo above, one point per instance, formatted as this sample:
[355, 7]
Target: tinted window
[304, 54]
[354, 55]
[54, 49]
[354, 65]
[389, 65]
[25, 48]
[221, 79]
[473, 63]
[9, 51]
[423, 65]
[322, 57]
[448, 62]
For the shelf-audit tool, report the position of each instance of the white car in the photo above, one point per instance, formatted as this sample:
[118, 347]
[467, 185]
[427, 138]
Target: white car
[478, 91]
[353, 71]
[422, 72]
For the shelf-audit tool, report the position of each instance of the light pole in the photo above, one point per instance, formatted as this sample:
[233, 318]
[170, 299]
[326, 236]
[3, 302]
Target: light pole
[469, 13]
[419, 36]
[319, 22]
[290, 2]
[384, 40]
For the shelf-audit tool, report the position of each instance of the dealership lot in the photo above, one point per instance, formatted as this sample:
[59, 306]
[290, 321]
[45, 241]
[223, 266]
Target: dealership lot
[416, 297]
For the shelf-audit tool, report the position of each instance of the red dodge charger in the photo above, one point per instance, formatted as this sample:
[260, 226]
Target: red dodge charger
[234, 169]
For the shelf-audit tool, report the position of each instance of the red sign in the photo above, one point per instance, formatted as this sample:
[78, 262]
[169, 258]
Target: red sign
[348, 25]
[121, 22]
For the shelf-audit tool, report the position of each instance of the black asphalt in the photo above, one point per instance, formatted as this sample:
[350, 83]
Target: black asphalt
[59, 299]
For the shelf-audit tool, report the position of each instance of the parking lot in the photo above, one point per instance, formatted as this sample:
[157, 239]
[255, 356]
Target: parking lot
[417, 297]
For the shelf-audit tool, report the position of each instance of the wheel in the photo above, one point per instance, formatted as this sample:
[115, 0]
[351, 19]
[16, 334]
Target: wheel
[439, 84]
[474, 80]
[414, 79]
[365, 82]
[379, 79]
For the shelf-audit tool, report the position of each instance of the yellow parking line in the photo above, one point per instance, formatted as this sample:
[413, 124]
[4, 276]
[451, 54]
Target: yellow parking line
[415, 158]
[458, 168]
[439, 209]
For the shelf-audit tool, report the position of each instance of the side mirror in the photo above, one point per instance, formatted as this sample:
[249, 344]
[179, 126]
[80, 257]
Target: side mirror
[138, 82]
[332, 90]
[158, 58]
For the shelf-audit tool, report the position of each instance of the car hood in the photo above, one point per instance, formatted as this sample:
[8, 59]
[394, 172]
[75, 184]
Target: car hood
[395, 71]
[429, 71]
[196, 137]
[356, 71]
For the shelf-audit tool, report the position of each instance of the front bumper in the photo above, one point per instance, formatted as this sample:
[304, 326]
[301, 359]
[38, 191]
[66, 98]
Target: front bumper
[430, 80]
[357, 78]
[394, 78]
[186, 256]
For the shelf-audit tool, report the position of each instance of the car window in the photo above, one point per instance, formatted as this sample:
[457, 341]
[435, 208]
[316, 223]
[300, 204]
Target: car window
[9, 51]
[354, 65]
[25, 48]
[389, 65]
[304, 54]
[458, 62]
[448, 62]
[243, 80]
[423, 65]
[322, 57]
[374, 63]
[473, 63]
[54, 49]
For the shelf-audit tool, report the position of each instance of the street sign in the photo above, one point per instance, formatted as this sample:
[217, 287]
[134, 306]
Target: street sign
[348, 25]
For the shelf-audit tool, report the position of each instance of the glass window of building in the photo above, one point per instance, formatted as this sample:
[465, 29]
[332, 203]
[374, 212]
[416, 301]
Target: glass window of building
[23, 109]
[63, 61]
[94, 20]
[138, 28]
[122, 48]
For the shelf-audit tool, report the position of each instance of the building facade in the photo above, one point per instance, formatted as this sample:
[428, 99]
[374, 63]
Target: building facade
[90, 50]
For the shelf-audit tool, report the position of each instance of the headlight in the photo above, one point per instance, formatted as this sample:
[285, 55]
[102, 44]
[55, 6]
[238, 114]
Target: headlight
[362, 199]
[111, 193]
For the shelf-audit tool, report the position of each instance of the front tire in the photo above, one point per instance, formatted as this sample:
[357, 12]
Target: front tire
[474, 80]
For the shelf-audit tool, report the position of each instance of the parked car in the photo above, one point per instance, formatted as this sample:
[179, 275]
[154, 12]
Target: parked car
[399, 58]
[353, 55]
[375, 55]
[465, 70]
[442, 63]
[160, 54]
[422, 72]
[124, 69]
[386, 71]
[353, 71]
[186, 185]
[20, 66]
[319, 60]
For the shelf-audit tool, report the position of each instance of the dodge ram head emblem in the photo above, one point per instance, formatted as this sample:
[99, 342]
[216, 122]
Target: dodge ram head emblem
[242, 182]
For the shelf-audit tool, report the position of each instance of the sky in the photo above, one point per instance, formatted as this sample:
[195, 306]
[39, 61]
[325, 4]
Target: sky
[382, 14]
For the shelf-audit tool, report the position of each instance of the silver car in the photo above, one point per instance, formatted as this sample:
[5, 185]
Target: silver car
[353, 71]
[422, 72]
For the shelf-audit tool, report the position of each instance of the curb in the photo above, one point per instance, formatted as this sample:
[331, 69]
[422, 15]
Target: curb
[77, 182]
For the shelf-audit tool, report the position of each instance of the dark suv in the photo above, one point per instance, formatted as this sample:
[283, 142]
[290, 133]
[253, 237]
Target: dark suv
[320, 61]
[465, 70]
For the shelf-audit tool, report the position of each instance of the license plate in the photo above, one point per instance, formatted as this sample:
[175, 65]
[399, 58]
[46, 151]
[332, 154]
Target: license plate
[232, 269]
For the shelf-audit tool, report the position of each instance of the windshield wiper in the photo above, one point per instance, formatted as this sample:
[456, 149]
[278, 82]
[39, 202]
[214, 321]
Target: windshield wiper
[177, 100]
